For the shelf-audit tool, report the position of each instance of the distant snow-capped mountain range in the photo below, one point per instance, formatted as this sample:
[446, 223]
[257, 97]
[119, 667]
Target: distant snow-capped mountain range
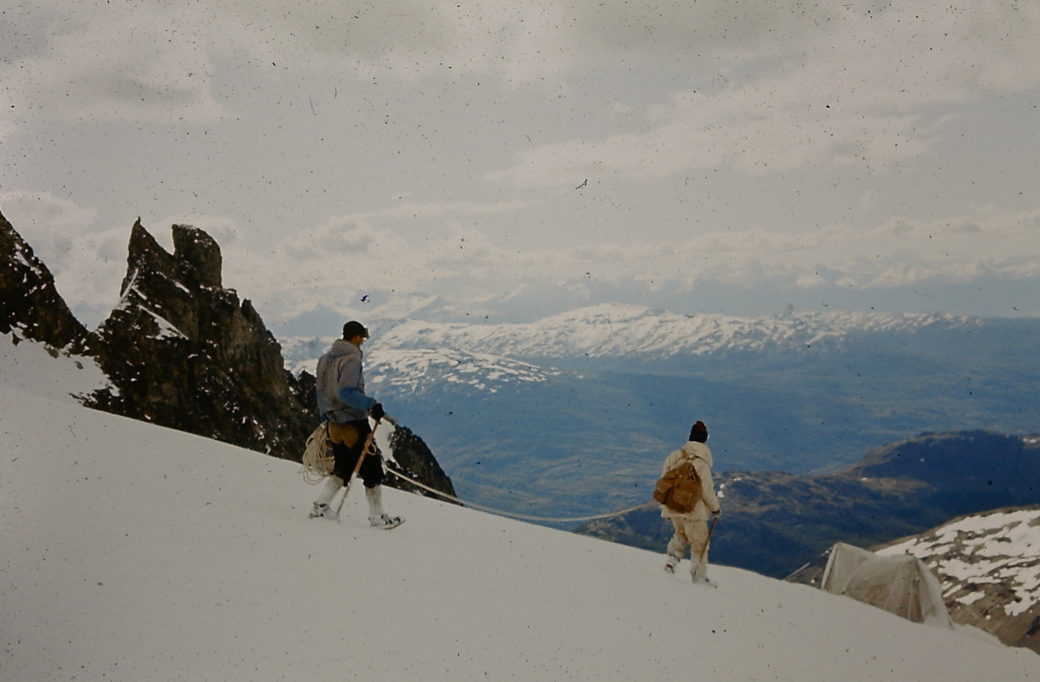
[410, 370]
[617, 331]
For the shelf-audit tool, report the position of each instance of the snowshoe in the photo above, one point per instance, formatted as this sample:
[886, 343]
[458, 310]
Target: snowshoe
[386, 522]
[706, 581]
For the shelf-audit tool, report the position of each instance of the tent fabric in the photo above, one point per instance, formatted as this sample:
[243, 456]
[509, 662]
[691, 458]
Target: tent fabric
[902, 585]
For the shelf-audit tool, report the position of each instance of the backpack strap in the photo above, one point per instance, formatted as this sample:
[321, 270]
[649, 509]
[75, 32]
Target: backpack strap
[683, 458]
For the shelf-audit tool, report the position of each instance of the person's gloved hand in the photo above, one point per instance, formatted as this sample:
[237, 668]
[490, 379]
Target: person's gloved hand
[715, 514]
[376, 411]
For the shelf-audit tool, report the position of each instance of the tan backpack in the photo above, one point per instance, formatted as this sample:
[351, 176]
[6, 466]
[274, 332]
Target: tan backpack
[680, 488]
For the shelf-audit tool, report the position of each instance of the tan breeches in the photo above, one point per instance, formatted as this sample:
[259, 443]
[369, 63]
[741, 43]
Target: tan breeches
[692, 533]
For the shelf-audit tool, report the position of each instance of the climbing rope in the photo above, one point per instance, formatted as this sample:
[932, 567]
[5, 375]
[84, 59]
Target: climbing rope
[317, 463]
[526, 517]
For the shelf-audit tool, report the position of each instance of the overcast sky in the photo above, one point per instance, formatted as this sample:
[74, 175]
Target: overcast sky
[514, 159]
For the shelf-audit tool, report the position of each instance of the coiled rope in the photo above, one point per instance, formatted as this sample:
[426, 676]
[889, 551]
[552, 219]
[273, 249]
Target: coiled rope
[515, 515]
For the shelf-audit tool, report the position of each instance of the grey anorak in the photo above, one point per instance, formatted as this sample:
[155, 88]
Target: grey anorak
[340, 385]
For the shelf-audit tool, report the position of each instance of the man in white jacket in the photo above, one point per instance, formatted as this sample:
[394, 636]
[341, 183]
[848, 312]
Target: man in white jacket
[691, 528]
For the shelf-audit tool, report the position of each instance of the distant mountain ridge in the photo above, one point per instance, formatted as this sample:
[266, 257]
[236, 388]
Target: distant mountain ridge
[626, 331]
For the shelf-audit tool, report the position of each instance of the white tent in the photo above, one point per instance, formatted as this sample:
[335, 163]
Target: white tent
[901, 584]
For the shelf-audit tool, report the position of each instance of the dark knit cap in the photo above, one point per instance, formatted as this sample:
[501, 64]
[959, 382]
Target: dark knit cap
[699, 432]
[353, 328]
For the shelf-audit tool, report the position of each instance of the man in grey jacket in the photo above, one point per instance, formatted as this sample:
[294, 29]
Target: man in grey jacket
[342, 402]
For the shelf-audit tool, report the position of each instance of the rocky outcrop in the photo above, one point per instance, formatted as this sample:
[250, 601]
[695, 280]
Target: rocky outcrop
[989, 567]
[987, 564]
[414, 459]
[182, 351]
[31, 306]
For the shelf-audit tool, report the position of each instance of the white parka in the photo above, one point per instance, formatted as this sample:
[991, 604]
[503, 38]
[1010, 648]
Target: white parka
[700, 455]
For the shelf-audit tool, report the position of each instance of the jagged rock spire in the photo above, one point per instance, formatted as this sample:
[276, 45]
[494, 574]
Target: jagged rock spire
[184, 352]
[31, 306]
[415, 459]
[198, 256]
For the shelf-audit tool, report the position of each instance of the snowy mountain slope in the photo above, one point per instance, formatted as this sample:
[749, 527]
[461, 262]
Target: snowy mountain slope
[33, 367]
[414, 370]
[134, 552]
[989, 567]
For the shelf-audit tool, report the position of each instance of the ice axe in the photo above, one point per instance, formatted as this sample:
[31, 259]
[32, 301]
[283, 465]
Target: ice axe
[711, 526]
[711, 529]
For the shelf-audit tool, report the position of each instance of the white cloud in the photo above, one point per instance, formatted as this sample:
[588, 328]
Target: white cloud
[732, 129]
[411, 209]
[903, 251]
[402, 40]
[343, 259]
[48, 223]
[856, 89]
[150, 61]
[868, 199]
[139, 63]
[87, 262]
[629, 95]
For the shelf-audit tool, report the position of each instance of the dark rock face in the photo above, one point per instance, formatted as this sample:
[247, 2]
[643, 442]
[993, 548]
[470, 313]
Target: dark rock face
[184, 352]
[303, 388]
[774, 522]
[415, 460]
[31, 307]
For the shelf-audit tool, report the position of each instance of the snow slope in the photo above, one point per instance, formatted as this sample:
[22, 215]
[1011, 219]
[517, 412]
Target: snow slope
[32, 367]
[134, 552]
